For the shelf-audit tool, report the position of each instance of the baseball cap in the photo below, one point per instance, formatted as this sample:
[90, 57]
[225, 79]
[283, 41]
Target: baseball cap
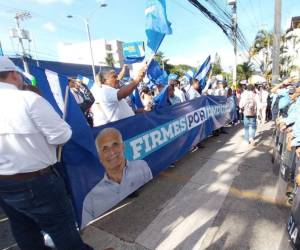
[7, 65]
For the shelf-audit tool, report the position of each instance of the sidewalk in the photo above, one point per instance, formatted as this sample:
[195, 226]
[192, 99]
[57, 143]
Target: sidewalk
[220, 197]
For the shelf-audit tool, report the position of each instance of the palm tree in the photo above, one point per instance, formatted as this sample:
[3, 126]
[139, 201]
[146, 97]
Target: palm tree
[262, 46]
[289, 51]
[245, 71]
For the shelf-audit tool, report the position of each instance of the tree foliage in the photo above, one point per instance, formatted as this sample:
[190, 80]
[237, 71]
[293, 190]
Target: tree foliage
[244, 71]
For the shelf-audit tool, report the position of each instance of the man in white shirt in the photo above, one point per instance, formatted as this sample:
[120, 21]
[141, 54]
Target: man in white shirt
[110, 104]
[262, 103]
[121, 178]
[177, 91]
[32, 193]
[192, 90]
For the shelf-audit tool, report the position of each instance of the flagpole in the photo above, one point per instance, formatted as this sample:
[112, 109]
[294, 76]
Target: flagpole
[66, 100]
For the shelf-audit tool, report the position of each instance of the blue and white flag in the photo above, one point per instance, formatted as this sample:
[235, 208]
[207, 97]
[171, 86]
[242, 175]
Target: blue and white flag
[162, 99]
[203, 71]
[157, 24]
[189, 74]
[154, 71]
[136, 100]
[87, 81]
[133, 52]
[162, 79]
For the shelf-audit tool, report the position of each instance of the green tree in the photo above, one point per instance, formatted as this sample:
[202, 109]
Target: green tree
[216, 65]
[110, 61]
[244, 71]
[262, 46]
[180, 69]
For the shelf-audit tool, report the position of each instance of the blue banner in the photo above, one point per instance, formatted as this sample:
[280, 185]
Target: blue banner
[104, 165]
[169, 132]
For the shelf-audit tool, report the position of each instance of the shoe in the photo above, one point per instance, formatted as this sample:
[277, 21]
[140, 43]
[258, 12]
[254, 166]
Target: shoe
[224, 132]
[194, 149]
[172, 166]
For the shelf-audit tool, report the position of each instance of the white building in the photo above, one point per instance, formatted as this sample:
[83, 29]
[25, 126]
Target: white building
[80, 52]
[293, 44]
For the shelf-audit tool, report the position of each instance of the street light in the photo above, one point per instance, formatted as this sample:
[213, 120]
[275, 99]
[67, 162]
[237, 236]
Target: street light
[87, 26]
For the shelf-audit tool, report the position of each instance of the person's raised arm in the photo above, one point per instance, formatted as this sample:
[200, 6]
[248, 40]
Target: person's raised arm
[128, 89]
[122, 72]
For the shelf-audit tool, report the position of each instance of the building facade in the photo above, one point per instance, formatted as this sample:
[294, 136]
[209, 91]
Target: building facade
[292, 45]
[105, 52]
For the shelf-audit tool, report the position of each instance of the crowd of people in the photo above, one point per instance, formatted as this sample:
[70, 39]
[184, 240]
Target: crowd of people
[286, 150]
[112, 98]
[28, 176]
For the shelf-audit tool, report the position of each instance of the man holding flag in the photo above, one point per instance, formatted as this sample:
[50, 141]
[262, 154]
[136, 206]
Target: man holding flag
[110, 104]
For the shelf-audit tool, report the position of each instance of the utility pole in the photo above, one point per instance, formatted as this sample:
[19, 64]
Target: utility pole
[22, 34]
[276, 42]
[234, 40]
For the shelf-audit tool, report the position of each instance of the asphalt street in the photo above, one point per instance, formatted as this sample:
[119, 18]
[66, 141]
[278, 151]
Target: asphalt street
[223, 196]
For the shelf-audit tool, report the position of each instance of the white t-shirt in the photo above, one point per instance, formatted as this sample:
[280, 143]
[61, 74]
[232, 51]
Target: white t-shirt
[179, 93]
[107, 108]
[192, 93]
[262, 98]
[30, 130]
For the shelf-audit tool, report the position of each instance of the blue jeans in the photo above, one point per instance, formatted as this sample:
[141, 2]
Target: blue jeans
[250, 127]
[40, 204]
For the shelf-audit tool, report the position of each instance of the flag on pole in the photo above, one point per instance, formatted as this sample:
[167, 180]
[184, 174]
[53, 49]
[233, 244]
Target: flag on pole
[157, 24]
[154, 71]
[203, 72]
[82, 140]
[189, 74]
[133, 52]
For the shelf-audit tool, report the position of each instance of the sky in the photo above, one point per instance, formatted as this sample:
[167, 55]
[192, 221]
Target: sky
[194, 36]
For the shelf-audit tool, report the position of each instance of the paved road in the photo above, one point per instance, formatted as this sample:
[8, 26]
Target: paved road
[220, 197]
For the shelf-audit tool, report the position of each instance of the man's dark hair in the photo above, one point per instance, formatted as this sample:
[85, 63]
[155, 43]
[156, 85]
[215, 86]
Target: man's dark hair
[171, 85]
[250, 87]
[4, 74]
[175, 82]
[102, 76]
[145, 90]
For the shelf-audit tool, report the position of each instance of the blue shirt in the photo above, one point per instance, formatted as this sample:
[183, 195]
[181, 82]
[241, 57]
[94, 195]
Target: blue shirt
[107, 193]
[292, 114]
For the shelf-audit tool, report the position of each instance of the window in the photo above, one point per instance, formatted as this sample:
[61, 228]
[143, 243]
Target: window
[108, 47]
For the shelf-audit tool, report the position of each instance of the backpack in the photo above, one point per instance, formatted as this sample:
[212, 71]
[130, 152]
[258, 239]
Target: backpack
[250, 106]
